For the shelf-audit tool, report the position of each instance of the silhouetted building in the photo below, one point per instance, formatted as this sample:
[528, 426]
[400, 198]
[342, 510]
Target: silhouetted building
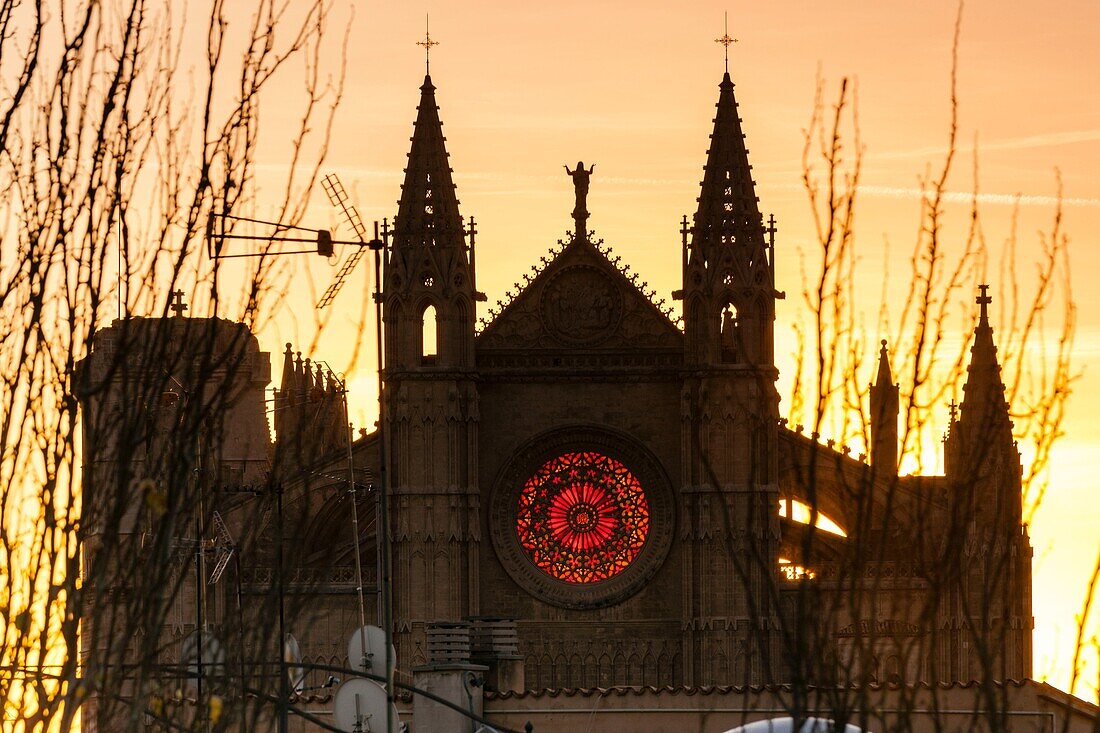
[610, 479]
[616, 490]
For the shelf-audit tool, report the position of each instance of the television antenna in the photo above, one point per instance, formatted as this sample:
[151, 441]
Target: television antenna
[216, 240]
[337, 196]
[223, 548]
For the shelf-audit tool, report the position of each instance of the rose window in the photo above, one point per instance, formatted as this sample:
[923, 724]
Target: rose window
[582, 517]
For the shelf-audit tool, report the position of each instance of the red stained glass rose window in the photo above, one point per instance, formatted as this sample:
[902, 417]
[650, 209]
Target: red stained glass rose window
[582, 517]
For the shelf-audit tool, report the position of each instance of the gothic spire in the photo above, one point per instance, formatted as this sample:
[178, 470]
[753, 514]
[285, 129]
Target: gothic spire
[984, 407]
[727, 263]
[884, 377]
[728, 211]
[885, 407]
[428, 210]
[288, 380]
[285, 396]
[306, 383]
[429, 277]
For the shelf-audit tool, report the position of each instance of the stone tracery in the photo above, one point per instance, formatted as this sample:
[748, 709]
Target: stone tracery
[582, 517]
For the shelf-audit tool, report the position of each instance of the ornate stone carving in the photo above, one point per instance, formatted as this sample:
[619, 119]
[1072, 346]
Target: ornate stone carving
[579, 301]
[581, 306]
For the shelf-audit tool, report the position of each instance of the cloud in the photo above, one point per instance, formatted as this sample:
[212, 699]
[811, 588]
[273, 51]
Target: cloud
[983, 198]
[510, 184]
[517, 182]
[1042, 140]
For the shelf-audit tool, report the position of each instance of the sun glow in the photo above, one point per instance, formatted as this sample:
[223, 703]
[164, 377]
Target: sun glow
[795, 572]
[802, 513]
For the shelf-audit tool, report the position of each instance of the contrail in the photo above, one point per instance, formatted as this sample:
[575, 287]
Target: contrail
[529, 184]
[983, 198]
[1042, 140]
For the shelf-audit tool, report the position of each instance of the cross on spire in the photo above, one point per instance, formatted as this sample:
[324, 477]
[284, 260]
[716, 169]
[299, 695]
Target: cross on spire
[471, 231]
[427, 43]
[725, 40]
[984, 300]
[176, 305]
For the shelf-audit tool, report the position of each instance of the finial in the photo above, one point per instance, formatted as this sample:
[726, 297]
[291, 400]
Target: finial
[954, 407]
[177, 306]
[883, 344]
[427, 43]
[984, 300]
[725, 40]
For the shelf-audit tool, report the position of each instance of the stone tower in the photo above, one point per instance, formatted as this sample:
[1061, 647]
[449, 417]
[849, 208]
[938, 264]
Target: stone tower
[884, 418]
[174, 421]
[431, 399]
[990, 601]
[730, 420]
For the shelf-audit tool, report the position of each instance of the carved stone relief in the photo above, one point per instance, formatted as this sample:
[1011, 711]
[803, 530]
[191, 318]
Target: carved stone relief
[581, 306]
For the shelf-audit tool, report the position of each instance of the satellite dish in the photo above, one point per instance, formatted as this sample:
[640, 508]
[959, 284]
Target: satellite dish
[360, 707]
[208, 651]
[786, 725]
[292, 656]
[367, 650]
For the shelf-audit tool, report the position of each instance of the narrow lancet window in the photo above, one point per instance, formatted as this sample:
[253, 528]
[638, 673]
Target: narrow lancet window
[733, 350]
[429, 342]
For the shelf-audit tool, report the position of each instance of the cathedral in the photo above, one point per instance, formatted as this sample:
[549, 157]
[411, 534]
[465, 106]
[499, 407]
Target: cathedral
[589, 498]
[611, 478]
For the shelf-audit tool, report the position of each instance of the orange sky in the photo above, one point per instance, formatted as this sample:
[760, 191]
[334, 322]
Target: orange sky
[524, 89]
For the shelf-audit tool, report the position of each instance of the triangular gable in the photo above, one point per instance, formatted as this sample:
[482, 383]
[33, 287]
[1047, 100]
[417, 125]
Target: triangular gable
[581, 300]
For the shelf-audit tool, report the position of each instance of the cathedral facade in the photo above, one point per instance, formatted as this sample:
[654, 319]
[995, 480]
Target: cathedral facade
[617, 487]
[612, 478]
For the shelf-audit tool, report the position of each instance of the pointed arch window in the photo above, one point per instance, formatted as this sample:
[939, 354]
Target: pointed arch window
[429, 335]
[732, 345]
